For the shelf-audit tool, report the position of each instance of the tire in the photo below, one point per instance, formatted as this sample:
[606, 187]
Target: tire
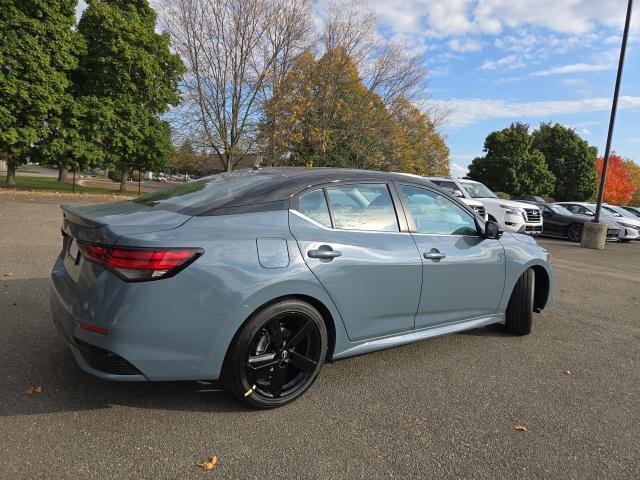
[519, 315]
[277, 355]
[574, 232]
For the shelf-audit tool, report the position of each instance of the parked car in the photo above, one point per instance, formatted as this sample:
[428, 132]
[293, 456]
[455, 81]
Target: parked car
[529, 198]
[634, 210]
[516, 217]
[258, 277]
[630, 228]
[560, 222]
[449, 184]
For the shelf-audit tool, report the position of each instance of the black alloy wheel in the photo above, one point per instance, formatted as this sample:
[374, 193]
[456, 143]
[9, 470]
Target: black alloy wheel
[278, 354]
[574, 232]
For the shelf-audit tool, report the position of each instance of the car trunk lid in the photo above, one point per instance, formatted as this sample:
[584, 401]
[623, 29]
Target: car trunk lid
[105, 223]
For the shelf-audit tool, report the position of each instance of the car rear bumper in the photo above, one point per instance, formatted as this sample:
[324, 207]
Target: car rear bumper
[171, 329]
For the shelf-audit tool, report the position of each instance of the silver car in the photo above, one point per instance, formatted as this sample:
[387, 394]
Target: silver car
[258, 277]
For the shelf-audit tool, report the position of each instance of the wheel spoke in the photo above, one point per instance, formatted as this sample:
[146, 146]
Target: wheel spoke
[300, 334]
[275, 332]
[261, 365]
[301, 362]
[277, 380]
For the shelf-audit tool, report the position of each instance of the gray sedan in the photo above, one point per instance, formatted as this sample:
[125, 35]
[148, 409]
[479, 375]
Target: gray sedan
[259, 277]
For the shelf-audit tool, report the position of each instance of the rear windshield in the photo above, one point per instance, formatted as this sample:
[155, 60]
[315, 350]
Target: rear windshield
[217, 191]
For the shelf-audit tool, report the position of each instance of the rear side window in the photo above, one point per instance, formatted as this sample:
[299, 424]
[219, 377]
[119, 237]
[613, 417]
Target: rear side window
[314, 206]
[363, 207]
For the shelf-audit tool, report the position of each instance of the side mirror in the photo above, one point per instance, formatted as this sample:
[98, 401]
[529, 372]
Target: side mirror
[589, 213]
[492, 230]
[458, 193]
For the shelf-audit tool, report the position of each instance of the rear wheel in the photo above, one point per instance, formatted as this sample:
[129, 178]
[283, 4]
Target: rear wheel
[574, 232]
[277, 355]
[519, 315]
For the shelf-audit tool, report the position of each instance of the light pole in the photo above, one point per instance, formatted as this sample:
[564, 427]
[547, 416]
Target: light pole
[594, 234]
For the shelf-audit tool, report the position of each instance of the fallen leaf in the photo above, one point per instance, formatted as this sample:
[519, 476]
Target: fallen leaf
[567, 372]
[31, 389]
[521, 428]
[209, 464]
[419, 421]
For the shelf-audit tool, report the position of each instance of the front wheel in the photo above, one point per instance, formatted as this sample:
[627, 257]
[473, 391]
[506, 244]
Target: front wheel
[574, 232]
[277, 355]
[519, 315]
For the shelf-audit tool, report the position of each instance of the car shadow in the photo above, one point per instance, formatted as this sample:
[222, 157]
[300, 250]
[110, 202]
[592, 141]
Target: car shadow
[494, 330]
[32, 353]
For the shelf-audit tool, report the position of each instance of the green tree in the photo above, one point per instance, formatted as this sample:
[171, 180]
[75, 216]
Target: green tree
[571, 159]
[130, 69]
[36, 52]
[72, 136]
[186, 159]
[511, 164]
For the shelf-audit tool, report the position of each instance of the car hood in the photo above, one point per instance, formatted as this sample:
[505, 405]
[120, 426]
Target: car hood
[471, 202]
[508, 203]
[627, 220]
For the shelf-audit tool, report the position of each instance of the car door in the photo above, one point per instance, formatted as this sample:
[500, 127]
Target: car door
[553, 224]
[463, 273]
[349, 236]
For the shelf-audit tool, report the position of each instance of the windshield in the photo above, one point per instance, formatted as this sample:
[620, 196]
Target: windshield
[611, 211]
[560, 210]
[477, 190]
[623, 212]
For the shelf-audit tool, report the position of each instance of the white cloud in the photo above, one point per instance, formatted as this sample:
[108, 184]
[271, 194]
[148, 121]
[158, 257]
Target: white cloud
[458, 170]
[460, 17]
[613, 40]
[573, 68]
[462, 45]
[510, 61]
[465, 112]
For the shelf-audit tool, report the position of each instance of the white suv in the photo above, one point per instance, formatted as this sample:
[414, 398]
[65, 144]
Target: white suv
[512, 216]
[449, 184]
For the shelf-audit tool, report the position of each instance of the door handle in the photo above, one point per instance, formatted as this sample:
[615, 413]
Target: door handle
[434, 254]
[324, 252]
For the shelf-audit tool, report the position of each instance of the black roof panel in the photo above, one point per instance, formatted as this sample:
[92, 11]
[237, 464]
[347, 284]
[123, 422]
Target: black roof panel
[251, 187]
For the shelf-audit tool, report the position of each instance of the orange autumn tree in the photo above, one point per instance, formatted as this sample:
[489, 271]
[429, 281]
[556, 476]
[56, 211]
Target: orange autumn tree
[619, 189]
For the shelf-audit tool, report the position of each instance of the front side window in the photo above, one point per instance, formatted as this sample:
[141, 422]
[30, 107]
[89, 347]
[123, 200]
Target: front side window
[314, 205]
[363, 207]
[437, 215]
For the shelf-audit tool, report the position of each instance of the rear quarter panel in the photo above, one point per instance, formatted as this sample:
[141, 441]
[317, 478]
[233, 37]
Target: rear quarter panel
[231, 269]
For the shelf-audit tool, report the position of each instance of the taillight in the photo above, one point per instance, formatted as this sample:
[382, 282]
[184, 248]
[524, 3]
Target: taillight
[140, 264]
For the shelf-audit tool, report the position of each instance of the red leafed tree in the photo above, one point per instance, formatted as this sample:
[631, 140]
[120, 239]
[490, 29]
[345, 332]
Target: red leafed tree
[619, 189]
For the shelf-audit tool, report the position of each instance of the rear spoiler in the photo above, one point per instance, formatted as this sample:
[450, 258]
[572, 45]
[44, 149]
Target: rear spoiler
[71, 214]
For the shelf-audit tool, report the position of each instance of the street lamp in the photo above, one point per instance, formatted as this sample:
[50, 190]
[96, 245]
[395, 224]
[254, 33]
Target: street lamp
[594, 234]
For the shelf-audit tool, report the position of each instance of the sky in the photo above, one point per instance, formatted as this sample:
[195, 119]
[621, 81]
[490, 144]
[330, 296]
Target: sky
[494, 62]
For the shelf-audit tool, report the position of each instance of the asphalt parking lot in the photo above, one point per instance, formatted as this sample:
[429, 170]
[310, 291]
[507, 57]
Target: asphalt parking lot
[443, 408]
